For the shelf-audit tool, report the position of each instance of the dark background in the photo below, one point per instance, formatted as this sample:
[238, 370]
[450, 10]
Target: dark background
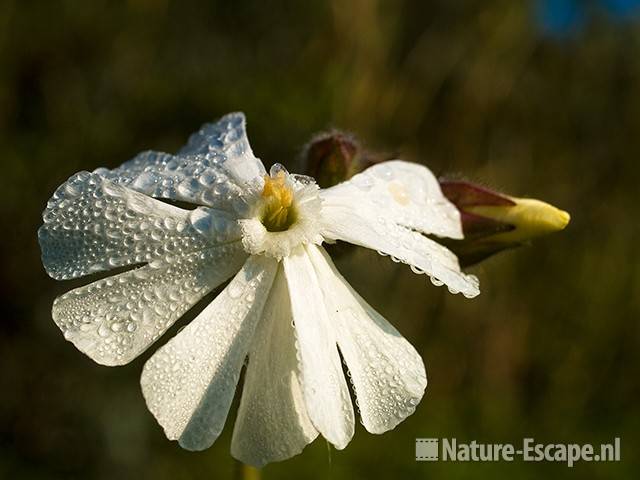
[532, 98]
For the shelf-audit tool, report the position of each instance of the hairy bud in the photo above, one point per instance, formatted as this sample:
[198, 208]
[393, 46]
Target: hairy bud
[493, 221]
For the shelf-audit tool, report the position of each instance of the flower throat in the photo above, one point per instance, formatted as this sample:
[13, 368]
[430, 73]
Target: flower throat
[278, 212]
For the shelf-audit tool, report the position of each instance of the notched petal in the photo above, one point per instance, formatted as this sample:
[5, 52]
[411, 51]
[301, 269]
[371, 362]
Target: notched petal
[227, 140]
[323, 384]
[387, 373]
[196, 179]
[272, 423]
[359, 224]
[189, 383]
[213, 169]
[92, 224]
[115, 319]
[391, 208]
[406, 193]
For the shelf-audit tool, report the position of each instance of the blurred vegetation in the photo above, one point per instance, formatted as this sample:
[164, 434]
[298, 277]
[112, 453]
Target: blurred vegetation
[488, 90]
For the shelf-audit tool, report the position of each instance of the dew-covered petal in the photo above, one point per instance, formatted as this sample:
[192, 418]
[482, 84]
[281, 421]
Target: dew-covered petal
[196, 179]
[189, 383]
[361, 224]
[212, 169]
[323, 384]
[227, 138]
[272, 423]
[386, 207]
[92, 224]
[387, 373]
[115, 319]
[403, 192]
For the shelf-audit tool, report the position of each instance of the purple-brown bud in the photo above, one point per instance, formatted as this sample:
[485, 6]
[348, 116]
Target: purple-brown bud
[335, 156]
[493, 221]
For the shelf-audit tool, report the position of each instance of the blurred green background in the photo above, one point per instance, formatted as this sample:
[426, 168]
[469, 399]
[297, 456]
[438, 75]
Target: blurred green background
[531, 98]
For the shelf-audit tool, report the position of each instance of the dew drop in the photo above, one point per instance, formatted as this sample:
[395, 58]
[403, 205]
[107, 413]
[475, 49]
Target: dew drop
[235, 289]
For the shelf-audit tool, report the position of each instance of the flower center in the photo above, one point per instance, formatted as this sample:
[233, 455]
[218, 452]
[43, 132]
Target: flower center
[278, 212]
[282, 216]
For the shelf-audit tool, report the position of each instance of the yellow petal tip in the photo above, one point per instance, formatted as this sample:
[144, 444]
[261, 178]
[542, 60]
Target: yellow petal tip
[529, 217]
[563, 219]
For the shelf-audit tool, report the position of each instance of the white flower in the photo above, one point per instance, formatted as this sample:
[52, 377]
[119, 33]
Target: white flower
[287, 309]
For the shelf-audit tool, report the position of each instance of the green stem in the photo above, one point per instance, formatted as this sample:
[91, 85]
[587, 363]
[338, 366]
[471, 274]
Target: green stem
[246, 472]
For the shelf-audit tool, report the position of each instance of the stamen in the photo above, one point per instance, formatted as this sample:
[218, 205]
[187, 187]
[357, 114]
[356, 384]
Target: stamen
[278, 213]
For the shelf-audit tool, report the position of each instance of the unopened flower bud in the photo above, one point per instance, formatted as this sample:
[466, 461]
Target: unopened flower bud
[493, 222]
[335, 156]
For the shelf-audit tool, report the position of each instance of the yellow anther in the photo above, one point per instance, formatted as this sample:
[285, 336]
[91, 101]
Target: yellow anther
[277, 214]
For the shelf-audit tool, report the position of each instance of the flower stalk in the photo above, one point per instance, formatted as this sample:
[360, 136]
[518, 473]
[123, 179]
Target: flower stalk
[246, 472]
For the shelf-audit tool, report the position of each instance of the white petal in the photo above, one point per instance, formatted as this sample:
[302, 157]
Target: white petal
[212, 169]
[325, 390]
[92, 224]
[196, 179]
[227, 137]
[189, 383]
[386, 371]
[272, 422]
[360, 220]
[115, 319]
[382, 207]
[406, 193]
